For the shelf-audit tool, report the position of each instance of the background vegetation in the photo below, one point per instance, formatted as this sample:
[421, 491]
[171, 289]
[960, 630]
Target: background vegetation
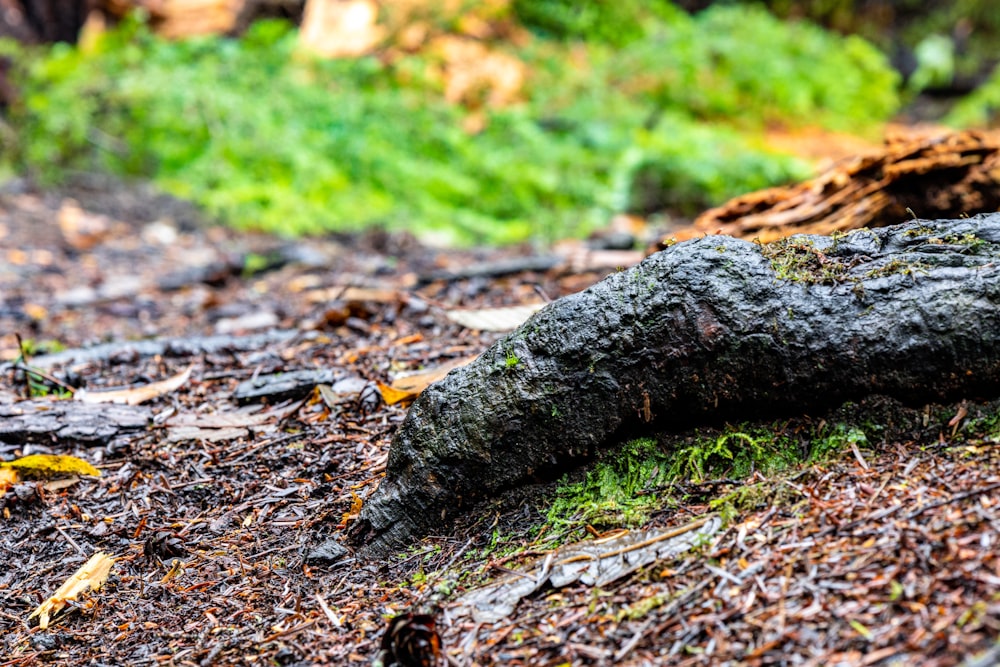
[627, 107]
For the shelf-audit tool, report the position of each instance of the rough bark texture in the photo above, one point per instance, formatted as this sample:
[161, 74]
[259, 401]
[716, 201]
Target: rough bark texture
[71, 422]
[701, 331]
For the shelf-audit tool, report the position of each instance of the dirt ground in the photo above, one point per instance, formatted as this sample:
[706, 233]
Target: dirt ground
[225, 513]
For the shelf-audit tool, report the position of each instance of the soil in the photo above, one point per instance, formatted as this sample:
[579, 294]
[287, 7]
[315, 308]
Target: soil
[225, 516]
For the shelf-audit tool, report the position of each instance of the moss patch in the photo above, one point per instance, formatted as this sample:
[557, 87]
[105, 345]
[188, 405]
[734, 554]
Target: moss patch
[644, 476]
[796, 259]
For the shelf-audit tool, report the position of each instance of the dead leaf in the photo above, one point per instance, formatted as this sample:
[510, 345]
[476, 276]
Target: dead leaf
[405, 388]
[253, 416]
[354, 511]
[135, 395]
[176, 570]
[81, 229]
[90, 577]
[494, 319]
[593, 562]
[417, 382]
[349, 294]
[50, 465]
[476, 75]
[8, 478]
[392, 396]
[214, 434]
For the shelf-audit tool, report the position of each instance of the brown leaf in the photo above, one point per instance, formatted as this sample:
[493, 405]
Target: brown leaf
[417, 382]
[135, 395]
[392, 396]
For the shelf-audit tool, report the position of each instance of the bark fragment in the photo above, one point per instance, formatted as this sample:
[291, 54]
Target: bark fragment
[71, 422]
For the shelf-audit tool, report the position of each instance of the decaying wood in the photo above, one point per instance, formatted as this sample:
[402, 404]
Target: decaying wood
[71, 422]
[494, 269]
[709, 330]
[936, 174]
[133, 350]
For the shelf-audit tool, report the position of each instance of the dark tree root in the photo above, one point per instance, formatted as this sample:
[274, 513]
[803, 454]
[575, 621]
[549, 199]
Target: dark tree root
[700, 331]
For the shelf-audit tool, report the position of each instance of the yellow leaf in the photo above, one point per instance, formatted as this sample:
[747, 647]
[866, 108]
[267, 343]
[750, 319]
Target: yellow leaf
[50, 465]
[392, 396]
[417, 382]
[351, 514]
[176, 569]
[8, 478]
[405, 389]
[89, 577]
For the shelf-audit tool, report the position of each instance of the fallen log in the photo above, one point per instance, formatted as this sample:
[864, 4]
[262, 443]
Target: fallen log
[711, 329]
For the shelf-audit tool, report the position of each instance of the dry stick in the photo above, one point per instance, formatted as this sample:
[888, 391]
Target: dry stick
[954, 499]
[291, 631]
[71, 541]
[329, 612]
[632, 642]
[694, 525]
[22, 365]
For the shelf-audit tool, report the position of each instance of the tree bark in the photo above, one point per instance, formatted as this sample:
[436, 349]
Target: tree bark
[708, 330]
[56, 20]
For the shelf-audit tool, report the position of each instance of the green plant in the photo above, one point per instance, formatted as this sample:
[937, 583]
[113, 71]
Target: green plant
[615, 491]
[615, 23]
[735, 453]
[832, 441]
[743, 63]
[333, 145]
[979, 109]
[624, 486]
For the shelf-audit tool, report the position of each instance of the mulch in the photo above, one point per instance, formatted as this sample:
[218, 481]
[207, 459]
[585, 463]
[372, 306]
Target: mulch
[222, 534]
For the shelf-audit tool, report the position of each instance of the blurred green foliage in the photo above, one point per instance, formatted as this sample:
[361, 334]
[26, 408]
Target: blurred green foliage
[264, 137]
[979, 109]
[616, 23]
[938, 43]
[743, 65]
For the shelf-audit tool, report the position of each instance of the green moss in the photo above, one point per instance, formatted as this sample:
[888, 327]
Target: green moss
[796, 259]
[831, 441]
[734, 453]
[625, 486]
[899, 267]
[617, 490]
[969, 242]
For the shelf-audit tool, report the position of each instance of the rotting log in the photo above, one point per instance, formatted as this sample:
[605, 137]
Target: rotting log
[708, 330]
[937, 173]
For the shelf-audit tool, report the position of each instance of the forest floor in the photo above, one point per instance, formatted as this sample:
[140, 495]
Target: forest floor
[225, 513]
